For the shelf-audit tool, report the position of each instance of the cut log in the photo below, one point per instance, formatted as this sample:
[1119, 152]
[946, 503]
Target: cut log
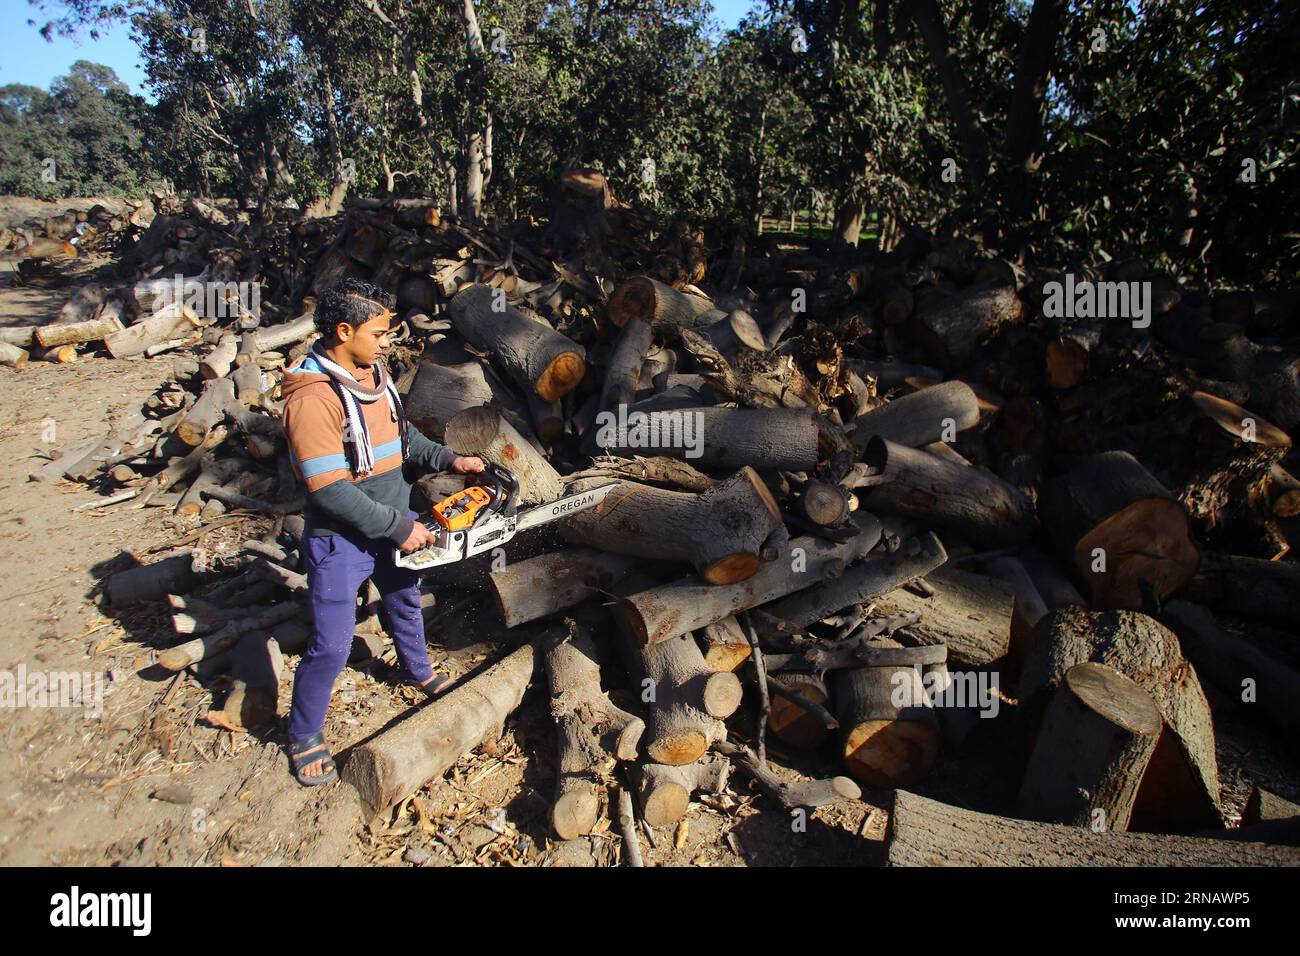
[170, 322]
[1236, 665]
[1120, 529]
[656, 304]
[593, 733]
[665, 791]
[969, 500]
[823, 503]
[540, 359]
[221, 359]
[547, 419]
[13, 356]
[950, 332]
[970, 614]
[1029, 605]
[1180, 791]
[405, 757]
[74, 333]
[191, 652]
[687, 701]
[24, 337]
[688, 605]
[206, 413]
[483, 431]
[1251, 587]
[1097, 737]
[924, 832]
[441, 392]
[288, 333]
[151, 582]
[724, 645]
[536, 587]
[874, 576]
[889, 734]
[792, 722]
[932, 414]
[623, 371]
[720, 531]
[250, 388]
[769, 439]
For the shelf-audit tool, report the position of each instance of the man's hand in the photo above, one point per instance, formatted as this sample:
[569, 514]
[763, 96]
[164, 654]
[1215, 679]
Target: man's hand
[464, 465]
[419, 537]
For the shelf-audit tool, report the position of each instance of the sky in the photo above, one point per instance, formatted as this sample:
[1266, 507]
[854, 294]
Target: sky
[29, 59]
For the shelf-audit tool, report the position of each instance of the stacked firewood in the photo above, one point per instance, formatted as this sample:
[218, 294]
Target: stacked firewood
[879, 479]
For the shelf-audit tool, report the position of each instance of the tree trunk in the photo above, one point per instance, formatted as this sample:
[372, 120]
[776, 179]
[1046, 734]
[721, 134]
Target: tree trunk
[1180, 790]
[1121, 530]
[1097, 738]
[889, 733]
[687, 605]
[540, 359]
[405, 757]
[536, 587]
[968, 500]
[484, 431]
[593, 733]
[720, 531]
[924, 832]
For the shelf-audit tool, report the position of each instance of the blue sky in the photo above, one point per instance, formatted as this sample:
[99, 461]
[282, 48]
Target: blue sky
[29, 59]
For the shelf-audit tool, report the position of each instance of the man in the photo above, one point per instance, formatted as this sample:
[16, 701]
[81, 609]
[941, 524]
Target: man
[348, 439]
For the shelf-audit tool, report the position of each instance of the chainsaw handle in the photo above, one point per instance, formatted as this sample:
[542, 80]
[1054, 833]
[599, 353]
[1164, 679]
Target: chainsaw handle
[507, 486]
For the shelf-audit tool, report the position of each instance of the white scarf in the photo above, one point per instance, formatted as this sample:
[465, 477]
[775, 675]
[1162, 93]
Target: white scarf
[352, 393]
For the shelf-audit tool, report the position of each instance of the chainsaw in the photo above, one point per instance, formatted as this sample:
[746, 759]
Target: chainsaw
[481, 517]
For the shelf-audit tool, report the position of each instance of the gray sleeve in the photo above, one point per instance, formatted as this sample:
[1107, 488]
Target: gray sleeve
[426, 453]
[348, 504]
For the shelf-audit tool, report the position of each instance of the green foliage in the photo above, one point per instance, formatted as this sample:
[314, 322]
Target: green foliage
[845, 103]
[85, 131]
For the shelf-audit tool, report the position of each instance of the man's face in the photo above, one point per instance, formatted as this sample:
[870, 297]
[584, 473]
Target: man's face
[367, 342]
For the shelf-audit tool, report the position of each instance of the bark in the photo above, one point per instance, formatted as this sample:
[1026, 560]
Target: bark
[403, 758]
[1097, 738]
[665, 612]
[1180, 790]
[968, 500]
[1110, 502]
[537, 357]
[593, 733]
[968, 613]
[720, 531]
[920, 418]
[536, 587]
[924, 832]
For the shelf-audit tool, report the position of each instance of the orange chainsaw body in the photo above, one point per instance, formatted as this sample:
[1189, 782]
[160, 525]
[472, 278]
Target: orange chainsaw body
[457, 512]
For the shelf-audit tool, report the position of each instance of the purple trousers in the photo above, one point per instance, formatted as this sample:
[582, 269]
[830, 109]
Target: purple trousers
[337, 565]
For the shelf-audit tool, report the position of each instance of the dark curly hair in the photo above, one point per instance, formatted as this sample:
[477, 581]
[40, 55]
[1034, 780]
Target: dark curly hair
[352, 301]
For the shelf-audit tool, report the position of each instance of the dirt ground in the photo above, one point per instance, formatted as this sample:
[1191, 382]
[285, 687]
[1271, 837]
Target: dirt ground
[150, 781]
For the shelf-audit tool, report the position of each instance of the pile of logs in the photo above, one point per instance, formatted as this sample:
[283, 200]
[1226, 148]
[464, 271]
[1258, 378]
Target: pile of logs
[852, 487]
